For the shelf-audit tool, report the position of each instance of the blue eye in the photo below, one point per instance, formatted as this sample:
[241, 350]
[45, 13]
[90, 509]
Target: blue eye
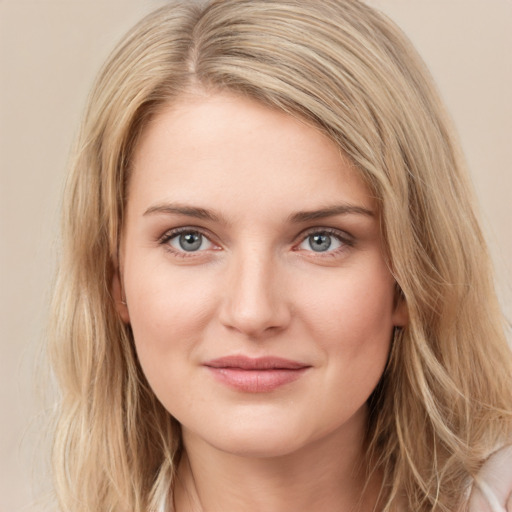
[321, 242]
[189, 241]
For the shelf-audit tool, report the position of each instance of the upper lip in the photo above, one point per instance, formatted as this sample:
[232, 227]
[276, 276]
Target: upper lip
[258, 363]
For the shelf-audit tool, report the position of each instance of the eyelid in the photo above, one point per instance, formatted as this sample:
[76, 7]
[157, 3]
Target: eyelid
[340, 233]
[174, 232]
[346, 239]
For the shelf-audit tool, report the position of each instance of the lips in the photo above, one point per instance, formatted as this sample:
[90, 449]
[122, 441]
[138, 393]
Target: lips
[256, 375]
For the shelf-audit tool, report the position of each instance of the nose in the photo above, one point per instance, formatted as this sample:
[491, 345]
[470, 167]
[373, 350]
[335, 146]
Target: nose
[255, 302]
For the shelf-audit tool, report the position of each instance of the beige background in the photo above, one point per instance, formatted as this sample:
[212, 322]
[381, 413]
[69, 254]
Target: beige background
[50, 51]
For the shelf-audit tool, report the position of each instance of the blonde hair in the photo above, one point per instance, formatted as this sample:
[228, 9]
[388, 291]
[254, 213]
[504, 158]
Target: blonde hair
[444, 402]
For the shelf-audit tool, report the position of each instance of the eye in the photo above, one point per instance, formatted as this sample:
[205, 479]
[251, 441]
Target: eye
[188, 241]
[322, 241]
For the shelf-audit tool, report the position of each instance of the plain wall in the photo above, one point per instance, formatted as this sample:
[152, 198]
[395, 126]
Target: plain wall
[50, 52]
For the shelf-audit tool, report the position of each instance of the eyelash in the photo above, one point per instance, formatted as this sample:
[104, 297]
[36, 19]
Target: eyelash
[173, 233]
[346, 240]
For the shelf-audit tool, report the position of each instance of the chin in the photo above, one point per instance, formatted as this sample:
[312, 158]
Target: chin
[261, 445]
[251, 439]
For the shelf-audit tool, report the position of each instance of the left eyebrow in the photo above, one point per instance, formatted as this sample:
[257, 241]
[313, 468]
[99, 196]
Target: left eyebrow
[343, 209]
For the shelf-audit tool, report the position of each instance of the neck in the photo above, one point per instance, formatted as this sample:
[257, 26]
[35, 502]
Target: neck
[328, 475]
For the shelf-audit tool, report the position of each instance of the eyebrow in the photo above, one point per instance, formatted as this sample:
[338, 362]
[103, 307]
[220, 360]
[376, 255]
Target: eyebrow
[298, 217]
[331, 211]
[189, 211]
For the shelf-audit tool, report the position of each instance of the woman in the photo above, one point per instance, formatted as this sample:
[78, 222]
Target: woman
[274, 293]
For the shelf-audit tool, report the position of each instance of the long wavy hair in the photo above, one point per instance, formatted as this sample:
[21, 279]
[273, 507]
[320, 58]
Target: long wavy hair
[444, 401]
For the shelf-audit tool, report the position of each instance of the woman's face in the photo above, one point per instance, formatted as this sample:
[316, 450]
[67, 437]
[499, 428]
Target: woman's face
[252, 268]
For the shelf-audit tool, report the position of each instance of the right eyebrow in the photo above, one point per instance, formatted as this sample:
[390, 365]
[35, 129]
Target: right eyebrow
[189, 211]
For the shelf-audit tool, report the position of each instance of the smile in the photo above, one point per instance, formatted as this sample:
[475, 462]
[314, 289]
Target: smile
[258, 375]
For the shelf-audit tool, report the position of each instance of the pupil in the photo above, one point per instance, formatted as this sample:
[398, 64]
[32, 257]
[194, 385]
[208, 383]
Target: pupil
[320, 243]
[191, 241]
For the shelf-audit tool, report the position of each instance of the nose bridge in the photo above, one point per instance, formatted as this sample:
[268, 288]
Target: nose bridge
[255, 302]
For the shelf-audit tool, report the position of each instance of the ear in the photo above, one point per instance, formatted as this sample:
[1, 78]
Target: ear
[119, 299]
[400, 316]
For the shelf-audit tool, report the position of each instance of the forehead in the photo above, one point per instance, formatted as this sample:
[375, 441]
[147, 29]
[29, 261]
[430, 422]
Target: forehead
[210, 147]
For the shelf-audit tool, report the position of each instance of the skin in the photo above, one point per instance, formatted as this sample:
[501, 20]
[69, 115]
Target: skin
[256, 287]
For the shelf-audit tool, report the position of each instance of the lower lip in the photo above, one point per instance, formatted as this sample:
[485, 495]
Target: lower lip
[256, 381]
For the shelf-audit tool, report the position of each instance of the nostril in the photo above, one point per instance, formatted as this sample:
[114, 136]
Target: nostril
[254, 324]
[254, 317]
[255, 302]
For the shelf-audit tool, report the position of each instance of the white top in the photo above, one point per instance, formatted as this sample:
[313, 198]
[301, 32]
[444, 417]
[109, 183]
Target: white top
[492, 490]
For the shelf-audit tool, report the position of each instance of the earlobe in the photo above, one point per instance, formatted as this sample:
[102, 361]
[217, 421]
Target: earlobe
[401, 311]
[119, 298]
[401, 314]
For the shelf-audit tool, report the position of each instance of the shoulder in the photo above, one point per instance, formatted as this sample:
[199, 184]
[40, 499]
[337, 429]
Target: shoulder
[492, 490]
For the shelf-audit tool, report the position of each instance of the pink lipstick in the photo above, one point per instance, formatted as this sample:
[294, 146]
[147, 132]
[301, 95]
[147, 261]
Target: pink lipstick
[255, 375]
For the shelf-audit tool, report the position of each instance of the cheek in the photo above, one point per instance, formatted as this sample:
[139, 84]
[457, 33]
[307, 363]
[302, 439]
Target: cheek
[353, 326]
[353, 306]
[165, 301]
[168, 311]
